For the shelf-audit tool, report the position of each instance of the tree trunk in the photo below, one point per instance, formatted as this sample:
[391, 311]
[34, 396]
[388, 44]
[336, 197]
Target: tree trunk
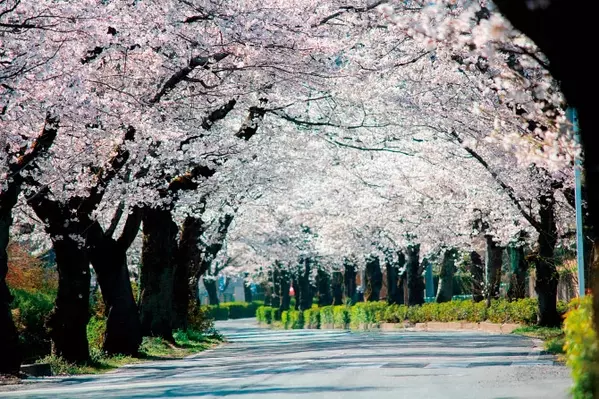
[123, 329]
[394, 289]
[305, 289]
[268, 294]
[212, 289]
[157, 273]
[275, 281]
[349, 281]
[492, 269]
[337, 283]
[374, 279]
[10, 358]
[547, 277]
[67, 323]
[284, 291]
[414, 277]
[247, 290]
[477, 273]
[10, 361]
[445, 290]
[296, 291]
[518, 272]
[185, 280]
[323, 284]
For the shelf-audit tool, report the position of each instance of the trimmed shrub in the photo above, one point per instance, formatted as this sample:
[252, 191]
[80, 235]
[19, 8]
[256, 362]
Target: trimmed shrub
[217, 312]
[582, 351]
[275, 314]
[264, 314]
[312, 319]
[341, 316]
[327, 315]
[395, 313]
[285, 319]
[296, 319]
[367, 313]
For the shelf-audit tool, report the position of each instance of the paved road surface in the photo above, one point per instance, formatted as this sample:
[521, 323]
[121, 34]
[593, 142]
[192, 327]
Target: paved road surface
[273, 364]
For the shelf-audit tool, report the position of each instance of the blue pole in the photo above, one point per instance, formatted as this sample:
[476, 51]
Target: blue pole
[429, 283]
[573, 117]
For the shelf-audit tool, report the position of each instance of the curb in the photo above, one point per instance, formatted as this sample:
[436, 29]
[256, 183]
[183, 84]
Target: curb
[495, 328]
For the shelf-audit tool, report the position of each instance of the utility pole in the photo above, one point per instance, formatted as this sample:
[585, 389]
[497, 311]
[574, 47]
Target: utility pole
[573, 118]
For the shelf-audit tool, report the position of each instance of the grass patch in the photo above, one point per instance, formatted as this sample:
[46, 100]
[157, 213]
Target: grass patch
[553, 338]
[152, 348]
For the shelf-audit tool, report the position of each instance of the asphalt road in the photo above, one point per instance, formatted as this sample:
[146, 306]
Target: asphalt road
[274, 364]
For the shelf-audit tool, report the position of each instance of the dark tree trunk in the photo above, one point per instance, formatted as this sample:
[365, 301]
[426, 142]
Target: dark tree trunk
[275, 281]
[185, 293]
[158, 260]
[394, 288]
[323, 285]
[337, 288]
[414, 276]
[247, 290]
[304, 287]
[212, 289]
[478, 276]
[445, 290]
[349, 281]
[109, 259]
[10, 352]
[296, 292]
[284, 290]
[547, 277]
[374, 279]
[268, 294]
[67, 324]
[123, 329]
[493, 262]
[10, 361]
[518, 272]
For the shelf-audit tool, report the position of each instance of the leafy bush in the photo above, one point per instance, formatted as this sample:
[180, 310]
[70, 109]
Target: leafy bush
[264, 314]
[30, 311]
[96, 328]
[27, 272]
[199, 318]
[217, 312]
[582, 351]
[296, 319]
[327, 315]
[341, 316]
[275, 314]
[285, 319]
[395, 313]
[367, 313]
[240, 310]
[312, 317]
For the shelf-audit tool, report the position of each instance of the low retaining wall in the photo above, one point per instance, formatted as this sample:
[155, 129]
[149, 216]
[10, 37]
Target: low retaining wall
[453, 326]
[484, 326]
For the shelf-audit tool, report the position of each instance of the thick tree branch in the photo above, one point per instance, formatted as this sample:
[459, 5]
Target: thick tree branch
[116, 218]
[506, 188]
[184, 72]
[131, 228]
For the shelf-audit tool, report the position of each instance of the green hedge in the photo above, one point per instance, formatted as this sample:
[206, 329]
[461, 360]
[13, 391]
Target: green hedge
[268, 315]
[582, 351]
[233, 310]
[30, 311]
[365, 314]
